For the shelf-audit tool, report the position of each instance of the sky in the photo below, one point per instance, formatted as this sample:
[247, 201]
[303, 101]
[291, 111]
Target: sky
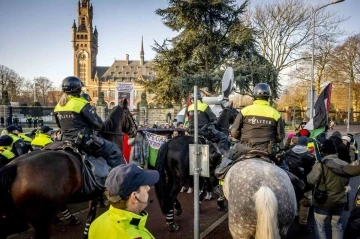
[35, 38]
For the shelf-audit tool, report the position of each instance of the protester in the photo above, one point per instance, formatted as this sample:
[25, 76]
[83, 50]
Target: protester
[342, 149]
[127, 189]
[333, 204]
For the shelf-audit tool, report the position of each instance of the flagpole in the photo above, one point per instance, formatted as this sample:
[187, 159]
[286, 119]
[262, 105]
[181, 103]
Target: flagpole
[349, 102]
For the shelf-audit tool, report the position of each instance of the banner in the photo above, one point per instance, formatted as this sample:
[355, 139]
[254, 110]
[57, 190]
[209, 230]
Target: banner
[155, 141]
[125, 91]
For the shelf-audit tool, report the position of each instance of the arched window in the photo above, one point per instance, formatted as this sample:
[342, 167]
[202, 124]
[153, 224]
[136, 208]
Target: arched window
[82, 36]
[83, 21]
[86, 37]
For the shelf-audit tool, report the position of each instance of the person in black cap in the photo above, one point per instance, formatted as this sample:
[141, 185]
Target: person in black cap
[334, 185]
[42, 139]
[6, 155]
[19, 146]
[127, 189]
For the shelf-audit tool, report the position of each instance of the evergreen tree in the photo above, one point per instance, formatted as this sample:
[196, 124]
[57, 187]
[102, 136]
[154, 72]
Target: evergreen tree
[211, 37]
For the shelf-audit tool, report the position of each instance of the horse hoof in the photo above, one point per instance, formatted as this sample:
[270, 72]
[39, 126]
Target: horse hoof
[74, 221]
[178, 212]
[172, 226]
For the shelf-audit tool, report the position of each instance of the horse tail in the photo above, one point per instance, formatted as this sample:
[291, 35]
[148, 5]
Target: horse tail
[266, 206]
[161, 185]
[7, 176]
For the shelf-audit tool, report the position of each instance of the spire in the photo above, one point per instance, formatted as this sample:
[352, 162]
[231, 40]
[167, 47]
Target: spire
[95, 31]
[74, 25]
[142, 54]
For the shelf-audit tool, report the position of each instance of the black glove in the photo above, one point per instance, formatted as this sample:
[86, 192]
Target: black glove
[95, 140]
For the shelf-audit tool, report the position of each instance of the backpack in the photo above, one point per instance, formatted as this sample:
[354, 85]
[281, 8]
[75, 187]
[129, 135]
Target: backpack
[295, 164]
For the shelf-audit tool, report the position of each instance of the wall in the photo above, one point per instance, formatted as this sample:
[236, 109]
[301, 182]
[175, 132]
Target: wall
[156, 114]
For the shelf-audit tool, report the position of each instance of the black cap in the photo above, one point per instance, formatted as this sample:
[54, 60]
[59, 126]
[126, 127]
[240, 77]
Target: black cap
[5, 140]
[19, 128]
[45, 129]
[11, 128]
[127, 178]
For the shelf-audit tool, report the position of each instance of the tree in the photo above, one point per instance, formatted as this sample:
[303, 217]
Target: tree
[284, 30]
[346, 66]
[207, 41]
[43, 85]
[6, 75]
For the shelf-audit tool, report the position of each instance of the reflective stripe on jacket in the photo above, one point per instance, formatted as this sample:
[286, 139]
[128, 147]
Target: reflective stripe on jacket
[116, 223]
[259, 123]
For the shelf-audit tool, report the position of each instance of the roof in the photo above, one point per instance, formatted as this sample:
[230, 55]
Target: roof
[100, 70]
[123, 70]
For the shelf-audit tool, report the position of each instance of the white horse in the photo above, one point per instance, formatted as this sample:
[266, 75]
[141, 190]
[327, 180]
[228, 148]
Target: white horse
[261, 200]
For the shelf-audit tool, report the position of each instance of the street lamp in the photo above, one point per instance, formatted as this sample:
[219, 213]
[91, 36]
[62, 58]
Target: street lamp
[314, 11]
[349, 103]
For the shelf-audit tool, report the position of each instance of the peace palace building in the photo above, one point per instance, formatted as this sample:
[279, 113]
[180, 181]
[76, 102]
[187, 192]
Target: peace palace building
[103, 78]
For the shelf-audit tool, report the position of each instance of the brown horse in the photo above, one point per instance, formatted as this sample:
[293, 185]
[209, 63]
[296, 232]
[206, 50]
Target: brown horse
[37, 185]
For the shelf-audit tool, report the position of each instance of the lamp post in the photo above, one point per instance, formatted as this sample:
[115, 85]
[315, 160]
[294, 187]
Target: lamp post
[314, 11]
[349, 106]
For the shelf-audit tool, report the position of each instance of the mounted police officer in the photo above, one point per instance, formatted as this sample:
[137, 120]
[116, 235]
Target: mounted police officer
[42, 139]
[258, 126]
[206, 123]
[87, 97]
[6, 154]
[19, 146]
[78, 121]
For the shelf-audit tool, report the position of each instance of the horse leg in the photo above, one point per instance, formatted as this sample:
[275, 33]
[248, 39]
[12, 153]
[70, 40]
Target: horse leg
[71, 219]
[172, 226]
[91, 216]
[177, 207]
[42, 224]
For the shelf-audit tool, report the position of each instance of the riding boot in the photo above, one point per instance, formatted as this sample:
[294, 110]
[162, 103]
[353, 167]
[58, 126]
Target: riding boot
[108, 150]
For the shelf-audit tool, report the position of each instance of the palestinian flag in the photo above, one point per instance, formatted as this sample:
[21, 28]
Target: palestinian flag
[187, 117]
[155, 141]
[317, 124]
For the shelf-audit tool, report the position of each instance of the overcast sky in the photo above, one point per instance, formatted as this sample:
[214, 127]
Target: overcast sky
[35, 35]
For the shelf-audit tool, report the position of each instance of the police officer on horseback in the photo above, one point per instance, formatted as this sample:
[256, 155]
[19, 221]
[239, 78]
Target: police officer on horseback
[78, 121]
[206, 123]
[258, 126]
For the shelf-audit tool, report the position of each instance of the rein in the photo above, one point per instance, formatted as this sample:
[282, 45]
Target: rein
[108, 132]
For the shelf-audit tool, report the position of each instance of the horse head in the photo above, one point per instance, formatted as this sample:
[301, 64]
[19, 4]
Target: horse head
[227, 117]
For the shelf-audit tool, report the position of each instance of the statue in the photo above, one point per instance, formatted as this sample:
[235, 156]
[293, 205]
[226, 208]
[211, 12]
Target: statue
[101, 101]
[5, 98]
[143, 101]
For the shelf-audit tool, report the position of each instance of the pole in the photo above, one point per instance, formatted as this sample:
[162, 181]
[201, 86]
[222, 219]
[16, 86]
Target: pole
[34, 91]
[312, 67]
[314, 11]
[196, 168]
[349, 102]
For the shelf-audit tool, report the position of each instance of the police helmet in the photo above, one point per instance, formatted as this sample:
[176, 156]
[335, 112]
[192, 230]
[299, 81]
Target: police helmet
[85, 96]
[199, 96]
[262, 91]
[72, 85]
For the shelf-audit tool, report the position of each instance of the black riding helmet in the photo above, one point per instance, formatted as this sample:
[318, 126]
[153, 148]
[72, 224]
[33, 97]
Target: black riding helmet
[72, 85]
[85, 96]
[262, 91]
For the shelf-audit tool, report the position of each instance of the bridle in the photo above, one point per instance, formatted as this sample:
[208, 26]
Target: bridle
[133, 128]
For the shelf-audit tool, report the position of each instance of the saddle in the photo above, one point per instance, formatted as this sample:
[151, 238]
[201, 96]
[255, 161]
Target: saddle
[94, 170]
[227, 163]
